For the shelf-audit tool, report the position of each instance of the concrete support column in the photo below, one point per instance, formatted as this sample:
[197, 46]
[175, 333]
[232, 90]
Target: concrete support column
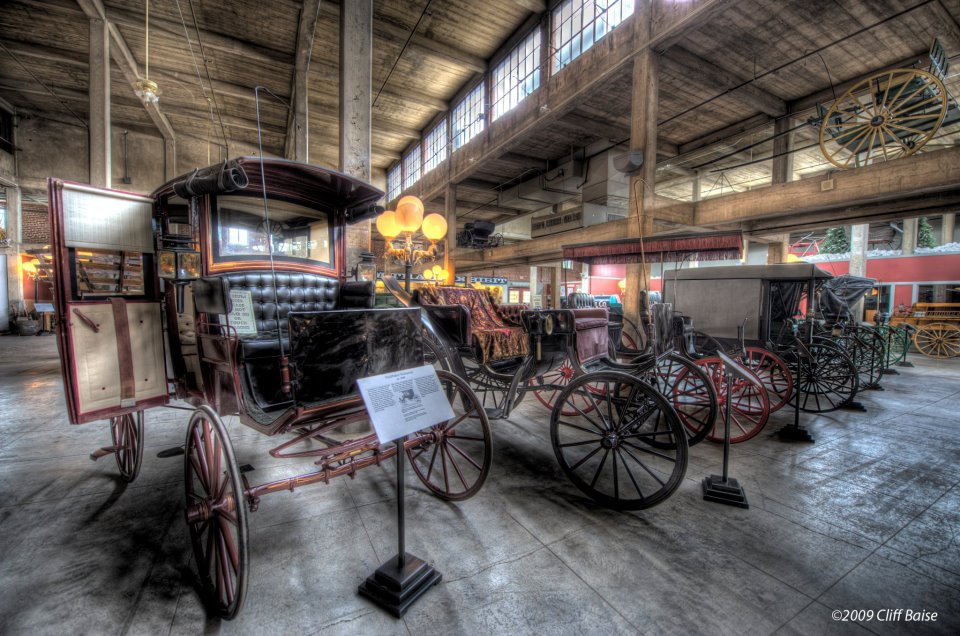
[782, 151]
[777, 250]
[697, 186]
[909, 240]
[99, 104]
[450, 210]
[858, 260]
[947, 226]
[533, 287]
[356, 63]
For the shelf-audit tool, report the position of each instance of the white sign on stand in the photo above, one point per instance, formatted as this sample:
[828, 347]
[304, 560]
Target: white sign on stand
[403, 402]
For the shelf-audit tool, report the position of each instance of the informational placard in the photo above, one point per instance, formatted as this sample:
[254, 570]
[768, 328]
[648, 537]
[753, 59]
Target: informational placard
[43, 308]
[242, 318]
[403, 402]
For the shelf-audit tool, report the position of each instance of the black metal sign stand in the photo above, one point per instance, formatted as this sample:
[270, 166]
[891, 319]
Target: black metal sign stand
[726, 489]
[794, 432]
[399, 582]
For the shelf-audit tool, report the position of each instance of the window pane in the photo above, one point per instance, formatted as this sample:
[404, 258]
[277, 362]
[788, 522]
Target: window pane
[411, 167]
[468, 117]
[295, 233]
[394, 185]
[517, 75]
[436, 147]
[579, 24]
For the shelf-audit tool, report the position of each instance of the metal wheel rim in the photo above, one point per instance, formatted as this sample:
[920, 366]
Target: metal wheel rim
[627, 411]
[831, 383]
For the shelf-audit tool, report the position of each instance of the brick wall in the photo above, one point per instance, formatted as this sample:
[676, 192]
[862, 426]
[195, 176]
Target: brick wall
[36, 224]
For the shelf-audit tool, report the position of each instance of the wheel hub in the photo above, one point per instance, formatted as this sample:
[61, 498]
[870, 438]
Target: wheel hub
[610, 440]
[877, 121]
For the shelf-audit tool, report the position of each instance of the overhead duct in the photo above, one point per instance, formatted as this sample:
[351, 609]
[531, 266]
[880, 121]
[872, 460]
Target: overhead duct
[553, 186]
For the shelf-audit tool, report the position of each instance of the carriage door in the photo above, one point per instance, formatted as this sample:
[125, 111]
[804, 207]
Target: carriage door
[110, 333]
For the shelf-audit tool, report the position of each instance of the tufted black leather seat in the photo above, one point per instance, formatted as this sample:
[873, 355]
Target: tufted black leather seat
[260, 353]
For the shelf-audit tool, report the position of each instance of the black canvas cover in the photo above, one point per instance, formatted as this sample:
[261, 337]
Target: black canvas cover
[839, 294]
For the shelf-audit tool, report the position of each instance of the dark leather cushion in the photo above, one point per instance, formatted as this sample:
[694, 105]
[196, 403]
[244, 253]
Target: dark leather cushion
[358, 294]
[293, 292]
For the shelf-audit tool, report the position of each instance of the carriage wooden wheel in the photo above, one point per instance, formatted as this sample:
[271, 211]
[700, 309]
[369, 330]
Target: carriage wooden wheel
[773, 372]
[560, 377]
[127, 433]
[887, 116]
[749, 406]
[938, 340]
[216, 512]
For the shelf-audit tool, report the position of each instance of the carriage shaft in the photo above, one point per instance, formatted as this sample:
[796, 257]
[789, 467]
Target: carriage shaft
[326, 474]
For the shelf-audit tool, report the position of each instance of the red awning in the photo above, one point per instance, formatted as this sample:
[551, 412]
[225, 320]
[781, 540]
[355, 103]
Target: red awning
[717, 246]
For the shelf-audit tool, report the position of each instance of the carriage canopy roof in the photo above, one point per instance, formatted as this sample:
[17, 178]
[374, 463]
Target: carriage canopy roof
[301, 182]
[782, 271]
[715, 246]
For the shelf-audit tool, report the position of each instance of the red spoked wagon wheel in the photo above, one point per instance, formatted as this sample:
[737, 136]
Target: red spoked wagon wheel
[127, 433]
[749, 405]
[561, 377]
[455, 461]
[773, 373]
[216, 513]
[691, 393]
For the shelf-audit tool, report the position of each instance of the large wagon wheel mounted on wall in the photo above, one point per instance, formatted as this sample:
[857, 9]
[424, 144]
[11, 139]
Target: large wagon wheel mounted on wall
[938, 340]
[887, 116]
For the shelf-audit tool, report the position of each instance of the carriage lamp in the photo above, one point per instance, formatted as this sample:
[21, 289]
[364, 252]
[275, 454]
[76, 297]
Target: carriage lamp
[402, 223]
[366, 269]
[179, 265]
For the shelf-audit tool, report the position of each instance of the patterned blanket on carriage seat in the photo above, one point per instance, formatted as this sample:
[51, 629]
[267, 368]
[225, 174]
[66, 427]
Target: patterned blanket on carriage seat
[493, 339]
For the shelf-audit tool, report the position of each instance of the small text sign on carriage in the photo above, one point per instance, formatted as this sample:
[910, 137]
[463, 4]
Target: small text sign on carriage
[403, 402]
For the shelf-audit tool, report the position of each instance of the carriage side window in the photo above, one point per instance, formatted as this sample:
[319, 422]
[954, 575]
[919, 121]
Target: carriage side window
[295, 233]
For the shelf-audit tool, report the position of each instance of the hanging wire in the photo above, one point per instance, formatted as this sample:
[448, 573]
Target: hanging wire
[203, 56]
[196, 67]
[402, 49]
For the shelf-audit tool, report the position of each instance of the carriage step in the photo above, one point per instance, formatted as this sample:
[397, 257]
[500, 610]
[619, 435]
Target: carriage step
[171, 452]
[247, 468]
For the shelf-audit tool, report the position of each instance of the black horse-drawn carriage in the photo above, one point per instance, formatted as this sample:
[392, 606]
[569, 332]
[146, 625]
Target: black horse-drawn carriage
[227, 289]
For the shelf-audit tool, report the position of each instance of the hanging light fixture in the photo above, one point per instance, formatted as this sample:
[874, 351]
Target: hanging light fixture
[404, 222]
[145, 88]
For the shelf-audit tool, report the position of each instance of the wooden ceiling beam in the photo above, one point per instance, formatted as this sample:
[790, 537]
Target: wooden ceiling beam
[683, 63]
[54, 55]
[211, 39]
[695, 18]
[127, 64]
[899, 179]
[728, 131]
[429, 46]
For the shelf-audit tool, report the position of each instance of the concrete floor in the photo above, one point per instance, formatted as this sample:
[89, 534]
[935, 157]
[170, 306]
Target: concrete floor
[867, 518]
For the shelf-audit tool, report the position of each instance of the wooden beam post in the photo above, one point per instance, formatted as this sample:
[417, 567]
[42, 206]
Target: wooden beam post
[356, 70]
[99, 87]
[298, 129]
[169, 159]
[782, 151]
[643, 135]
